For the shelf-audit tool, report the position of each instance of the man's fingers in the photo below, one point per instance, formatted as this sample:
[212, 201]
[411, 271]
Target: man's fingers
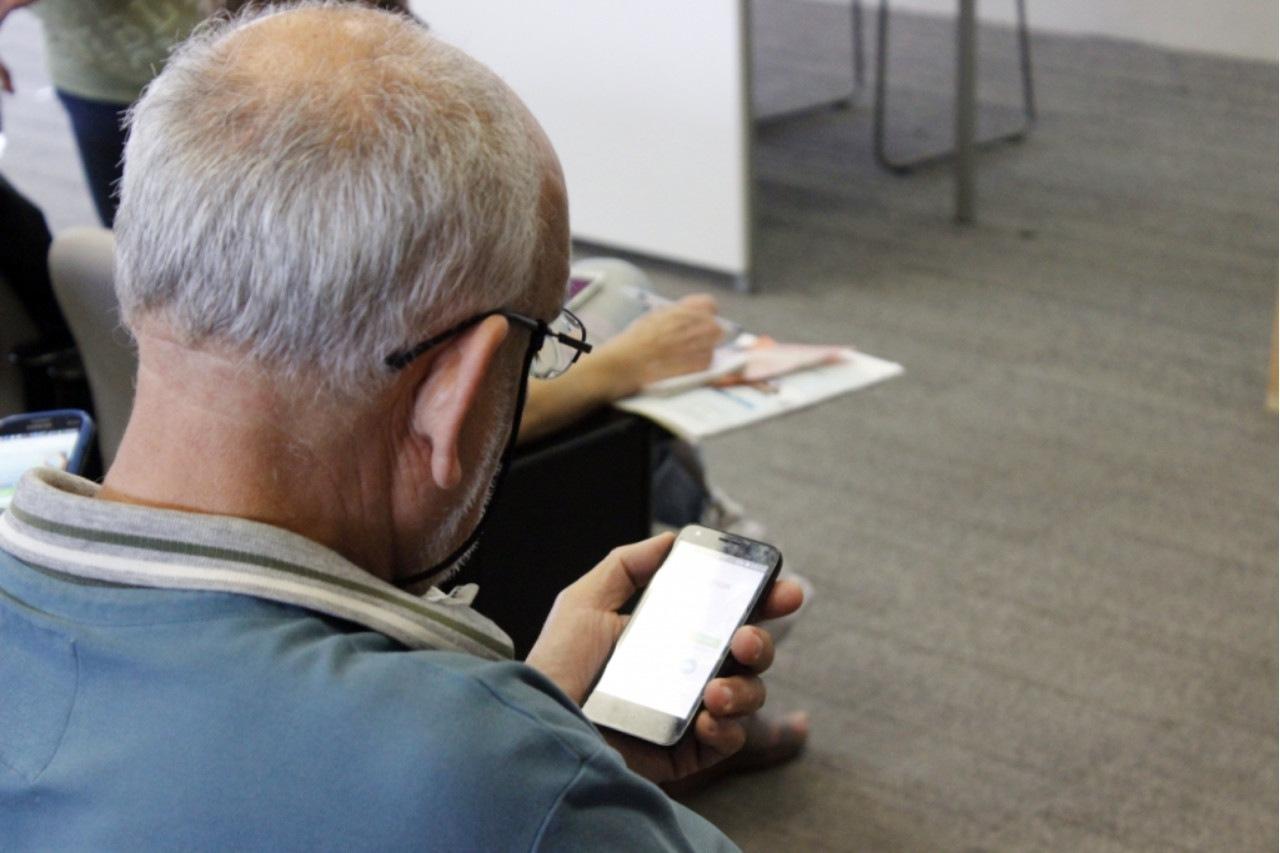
[752, 647]
[784, 599]
[723, 737]
[624, 571]
[734, 696]
[711, 333]
[703, 302]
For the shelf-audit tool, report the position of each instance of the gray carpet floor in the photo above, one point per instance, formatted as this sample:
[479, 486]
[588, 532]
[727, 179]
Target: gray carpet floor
[1046, 557]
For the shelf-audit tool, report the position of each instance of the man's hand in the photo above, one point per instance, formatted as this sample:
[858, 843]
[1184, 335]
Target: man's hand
[585, 624]
[668, 341]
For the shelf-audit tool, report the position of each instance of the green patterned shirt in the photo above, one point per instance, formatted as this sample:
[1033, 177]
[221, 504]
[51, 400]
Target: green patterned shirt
[108, 50]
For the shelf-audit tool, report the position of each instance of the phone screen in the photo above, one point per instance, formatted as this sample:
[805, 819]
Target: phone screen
[23, 451]
[678, 636]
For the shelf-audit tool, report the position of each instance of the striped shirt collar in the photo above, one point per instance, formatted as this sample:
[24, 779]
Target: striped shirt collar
[55, 523]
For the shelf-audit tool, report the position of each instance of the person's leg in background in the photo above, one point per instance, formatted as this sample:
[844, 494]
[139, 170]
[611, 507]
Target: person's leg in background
[680, 491]
[24, 266]
[46, 368]
[98, 127]
[683, 495]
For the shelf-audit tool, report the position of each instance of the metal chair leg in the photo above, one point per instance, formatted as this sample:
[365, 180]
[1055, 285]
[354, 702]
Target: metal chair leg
[879, 110]
[1024, 59]
[838, 103]
[859, 61]
[966, 111]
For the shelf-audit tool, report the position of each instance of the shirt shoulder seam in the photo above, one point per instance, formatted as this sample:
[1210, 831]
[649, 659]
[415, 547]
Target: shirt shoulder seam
[564, 744]
[536, 842]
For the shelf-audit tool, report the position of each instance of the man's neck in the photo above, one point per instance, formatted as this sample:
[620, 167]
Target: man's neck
[208, 436]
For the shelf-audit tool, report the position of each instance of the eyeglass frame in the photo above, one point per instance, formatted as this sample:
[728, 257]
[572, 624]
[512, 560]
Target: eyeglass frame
[540, 329]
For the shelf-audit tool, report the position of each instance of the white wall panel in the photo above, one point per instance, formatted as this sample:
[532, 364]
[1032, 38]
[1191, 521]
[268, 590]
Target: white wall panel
[646, 105]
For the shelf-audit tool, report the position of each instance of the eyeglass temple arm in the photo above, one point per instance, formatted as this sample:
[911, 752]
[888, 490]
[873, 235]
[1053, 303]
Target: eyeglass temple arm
[570, 341]
[398, 360]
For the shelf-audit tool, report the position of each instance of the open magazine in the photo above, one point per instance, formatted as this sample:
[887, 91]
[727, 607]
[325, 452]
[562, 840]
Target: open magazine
[751, 378]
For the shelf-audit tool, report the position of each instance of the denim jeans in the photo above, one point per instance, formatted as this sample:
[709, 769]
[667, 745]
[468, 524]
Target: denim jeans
[99, 131]
[679, 483]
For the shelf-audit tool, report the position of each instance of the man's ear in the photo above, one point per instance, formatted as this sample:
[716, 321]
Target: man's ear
[448, 392]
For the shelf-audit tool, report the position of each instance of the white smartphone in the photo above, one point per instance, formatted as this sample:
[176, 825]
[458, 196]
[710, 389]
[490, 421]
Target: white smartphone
[678, 637]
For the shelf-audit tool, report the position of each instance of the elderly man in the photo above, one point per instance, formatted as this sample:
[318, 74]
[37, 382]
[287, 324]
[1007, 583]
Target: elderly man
[342, 247]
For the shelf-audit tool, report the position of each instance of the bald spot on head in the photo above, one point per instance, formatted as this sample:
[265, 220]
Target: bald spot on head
[335, 33]
[344, 52]
[332, 61]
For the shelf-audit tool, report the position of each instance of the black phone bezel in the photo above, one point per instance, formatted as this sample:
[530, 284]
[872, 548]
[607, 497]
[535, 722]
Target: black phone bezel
[56, 420]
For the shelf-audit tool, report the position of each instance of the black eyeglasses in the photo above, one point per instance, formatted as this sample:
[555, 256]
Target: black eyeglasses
[555, 345]
[553, 348]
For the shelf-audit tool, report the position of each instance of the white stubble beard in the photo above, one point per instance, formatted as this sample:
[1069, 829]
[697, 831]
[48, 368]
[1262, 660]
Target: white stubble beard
[480, 493]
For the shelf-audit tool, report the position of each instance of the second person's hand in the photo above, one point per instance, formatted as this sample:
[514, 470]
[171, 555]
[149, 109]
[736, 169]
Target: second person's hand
[668, 341]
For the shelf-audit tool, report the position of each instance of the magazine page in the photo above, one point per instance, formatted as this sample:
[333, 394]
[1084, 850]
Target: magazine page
[703, 412]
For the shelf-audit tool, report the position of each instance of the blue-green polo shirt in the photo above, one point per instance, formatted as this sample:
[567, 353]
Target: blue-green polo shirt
[160, 713]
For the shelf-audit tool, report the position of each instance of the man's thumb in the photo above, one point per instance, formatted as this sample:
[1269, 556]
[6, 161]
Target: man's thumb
[624, 571]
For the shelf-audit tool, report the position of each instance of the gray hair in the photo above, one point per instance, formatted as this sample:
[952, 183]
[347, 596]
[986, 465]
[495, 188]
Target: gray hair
[315, 216]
